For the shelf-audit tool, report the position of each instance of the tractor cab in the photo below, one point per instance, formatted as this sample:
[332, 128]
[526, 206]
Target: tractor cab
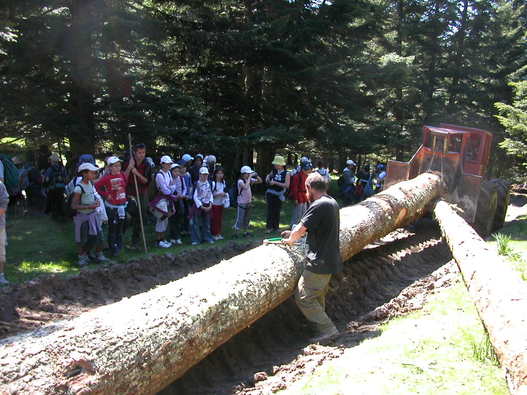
[459, 148]
[460, 154]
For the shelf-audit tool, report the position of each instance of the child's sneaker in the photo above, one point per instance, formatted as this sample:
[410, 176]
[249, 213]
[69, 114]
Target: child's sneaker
[164, 244]
[211, 241]
[99, 257]
[83, 260]
[178, 242]
[195, 243]
[219, 237]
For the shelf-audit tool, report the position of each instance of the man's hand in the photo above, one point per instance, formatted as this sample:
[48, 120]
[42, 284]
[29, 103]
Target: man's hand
[288, 241]
[2, 211]
[291, 237]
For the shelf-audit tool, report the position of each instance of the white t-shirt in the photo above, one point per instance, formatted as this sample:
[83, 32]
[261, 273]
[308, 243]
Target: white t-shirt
[218, 187]
[88, 197]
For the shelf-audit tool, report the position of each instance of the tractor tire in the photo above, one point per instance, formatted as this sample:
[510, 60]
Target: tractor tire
[504, 195]
[487, 207]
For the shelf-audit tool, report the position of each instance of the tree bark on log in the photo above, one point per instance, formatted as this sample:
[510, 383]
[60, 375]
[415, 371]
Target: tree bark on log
[498, 293]
[143, 343]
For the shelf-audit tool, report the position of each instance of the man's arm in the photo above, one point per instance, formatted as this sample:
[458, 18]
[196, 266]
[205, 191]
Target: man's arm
[142, 179]
[291, 237]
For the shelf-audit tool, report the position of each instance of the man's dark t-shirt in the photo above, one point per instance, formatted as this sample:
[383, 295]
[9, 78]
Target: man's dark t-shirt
[322, 221]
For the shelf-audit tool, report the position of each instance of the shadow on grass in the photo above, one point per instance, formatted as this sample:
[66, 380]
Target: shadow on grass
[516, 229]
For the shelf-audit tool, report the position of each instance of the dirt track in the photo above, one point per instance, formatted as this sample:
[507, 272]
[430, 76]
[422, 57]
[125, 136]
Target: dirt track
[381, 282]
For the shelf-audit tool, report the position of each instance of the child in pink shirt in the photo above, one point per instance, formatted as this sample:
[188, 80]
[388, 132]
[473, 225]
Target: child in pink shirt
[245, 197]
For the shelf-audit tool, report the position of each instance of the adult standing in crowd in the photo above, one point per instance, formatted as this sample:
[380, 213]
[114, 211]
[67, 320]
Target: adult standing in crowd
[210, 162]
[194, 169]
[278, 182]
[142, 171]
[321, 223]
[347, 182]
[298, 192]
[55, 178]
[323, 171]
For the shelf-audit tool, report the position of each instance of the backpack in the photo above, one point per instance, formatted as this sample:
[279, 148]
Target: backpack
[70, 212]
[34, 176]
[58, 177]
[11, 175]
[24, 179]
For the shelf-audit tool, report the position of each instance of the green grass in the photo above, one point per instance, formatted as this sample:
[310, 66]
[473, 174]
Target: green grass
[510, 242]
[441, 349]
[38, 245]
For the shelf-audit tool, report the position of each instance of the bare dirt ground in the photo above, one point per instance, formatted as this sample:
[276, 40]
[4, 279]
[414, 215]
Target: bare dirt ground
[392, 277]
[49, 298]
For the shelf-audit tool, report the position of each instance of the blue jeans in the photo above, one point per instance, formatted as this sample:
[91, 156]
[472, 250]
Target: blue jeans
[200, 227]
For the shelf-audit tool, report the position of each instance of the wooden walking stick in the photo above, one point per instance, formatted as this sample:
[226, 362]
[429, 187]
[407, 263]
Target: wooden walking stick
[138, 202]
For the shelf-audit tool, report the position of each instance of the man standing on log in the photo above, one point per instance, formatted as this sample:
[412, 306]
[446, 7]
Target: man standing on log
[321, 223]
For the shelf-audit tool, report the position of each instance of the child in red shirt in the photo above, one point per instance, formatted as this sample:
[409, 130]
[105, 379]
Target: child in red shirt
[112, 187]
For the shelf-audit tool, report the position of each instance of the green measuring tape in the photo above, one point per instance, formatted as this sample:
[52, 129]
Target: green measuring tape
[273, 240]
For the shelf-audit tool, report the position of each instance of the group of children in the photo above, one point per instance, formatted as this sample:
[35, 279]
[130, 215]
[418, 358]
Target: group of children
[187, 196]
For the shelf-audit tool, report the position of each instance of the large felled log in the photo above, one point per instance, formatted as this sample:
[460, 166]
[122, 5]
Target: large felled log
[142, 344]
[498, 293]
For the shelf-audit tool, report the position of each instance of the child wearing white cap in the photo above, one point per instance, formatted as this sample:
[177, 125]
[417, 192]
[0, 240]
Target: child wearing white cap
[162, 205]
[176, 221]
[88, 231]
[244, 198]
[201, 210]
[112, 187]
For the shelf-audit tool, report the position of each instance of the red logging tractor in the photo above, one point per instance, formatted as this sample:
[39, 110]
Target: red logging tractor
[461, 155]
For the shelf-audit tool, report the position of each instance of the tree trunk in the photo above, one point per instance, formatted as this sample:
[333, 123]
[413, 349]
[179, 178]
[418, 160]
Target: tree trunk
[497, 291]
[458, 60]
[82, 138]
[142, 344]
